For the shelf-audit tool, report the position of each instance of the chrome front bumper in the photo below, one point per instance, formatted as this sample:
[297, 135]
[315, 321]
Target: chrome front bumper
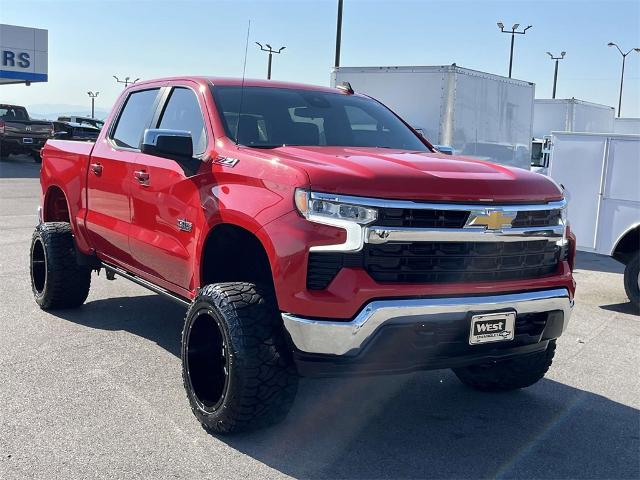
[349, 338]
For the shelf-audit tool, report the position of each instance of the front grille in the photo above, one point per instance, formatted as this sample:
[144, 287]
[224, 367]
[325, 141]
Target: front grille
[440, 262]
[537, 218]
[420, 218]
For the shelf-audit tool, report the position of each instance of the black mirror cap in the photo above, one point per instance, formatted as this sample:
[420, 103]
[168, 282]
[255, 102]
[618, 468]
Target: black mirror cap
[174, 144]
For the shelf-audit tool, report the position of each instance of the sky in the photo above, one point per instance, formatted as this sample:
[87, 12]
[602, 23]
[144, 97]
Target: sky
[90, 41]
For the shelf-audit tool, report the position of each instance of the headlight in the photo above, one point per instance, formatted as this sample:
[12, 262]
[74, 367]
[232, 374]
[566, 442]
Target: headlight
[315, 206]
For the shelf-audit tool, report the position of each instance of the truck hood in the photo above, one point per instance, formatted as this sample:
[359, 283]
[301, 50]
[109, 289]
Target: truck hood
[405, 175]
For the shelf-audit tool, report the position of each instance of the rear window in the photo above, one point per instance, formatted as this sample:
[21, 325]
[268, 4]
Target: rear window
[272, 117]
[9, 112]
[134, 118]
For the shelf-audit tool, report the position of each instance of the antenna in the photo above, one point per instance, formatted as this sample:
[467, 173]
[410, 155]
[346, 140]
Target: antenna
[244, 69]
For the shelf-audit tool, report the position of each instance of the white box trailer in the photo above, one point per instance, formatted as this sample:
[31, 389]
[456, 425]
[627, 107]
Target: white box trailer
[627, 125]
[570, 115]
[601, 175]
[477, 114]
[565, 115]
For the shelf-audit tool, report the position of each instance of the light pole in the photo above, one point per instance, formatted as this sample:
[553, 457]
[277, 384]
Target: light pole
[513, 32]
[93, 102]
[555, 74]
[126, 81]
[624, 57]
[271, 52]
[338, 34]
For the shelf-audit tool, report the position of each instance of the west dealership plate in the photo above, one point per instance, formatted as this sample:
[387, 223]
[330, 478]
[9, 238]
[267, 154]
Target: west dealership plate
[492, 327]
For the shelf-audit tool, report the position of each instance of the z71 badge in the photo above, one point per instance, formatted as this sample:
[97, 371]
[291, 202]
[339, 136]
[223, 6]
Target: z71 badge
[184, 225]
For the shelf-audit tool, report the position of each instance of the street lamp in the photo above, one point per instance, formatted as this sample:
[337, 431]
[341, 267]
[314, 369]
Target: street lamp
[271, 52]
[93, 103]
[624, 57]
[126, 81]
[555, 74]
[513, 32]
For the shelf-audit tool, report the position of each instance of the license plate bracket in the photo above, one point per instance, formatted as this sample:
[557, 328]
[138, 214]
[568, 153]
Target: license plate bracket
[492, 327]
[27, 141]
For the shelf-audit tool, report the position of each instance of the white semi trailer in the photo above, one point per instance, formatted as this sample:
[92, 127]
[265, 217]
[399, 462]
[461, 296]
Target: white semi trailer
[565, 115]
[601, 175]
[473, 113]
[627, 125]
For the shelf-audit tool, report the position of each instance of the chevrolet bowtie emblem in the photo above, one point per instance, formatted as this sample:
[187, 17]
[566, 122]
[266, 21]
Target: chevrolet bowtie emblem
[491, 219]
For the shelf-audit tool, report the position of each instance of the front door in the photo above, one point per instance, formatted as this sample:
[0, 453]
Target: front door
[165, 201]
[108, 184]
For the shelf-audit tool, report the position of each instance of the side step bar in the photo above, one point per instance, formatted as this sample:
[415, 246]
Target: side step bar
[144, 283]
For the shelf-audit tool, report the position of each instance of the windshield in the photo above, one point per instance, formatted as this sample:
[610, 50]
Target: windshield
[273, 117]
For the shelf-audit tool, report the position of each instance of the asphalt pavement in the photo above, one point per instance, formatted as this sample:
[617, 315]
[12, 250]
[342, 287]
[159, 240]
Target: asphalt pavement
[96, 393]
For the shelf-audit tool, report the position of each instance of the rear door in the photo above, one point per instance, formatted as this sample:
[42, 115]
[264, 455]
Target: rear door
[110, 177]
[165, 201]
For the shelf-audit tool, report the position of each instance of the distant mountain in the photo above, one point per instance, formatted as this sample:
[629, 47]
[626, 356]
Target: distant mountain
[49, 111]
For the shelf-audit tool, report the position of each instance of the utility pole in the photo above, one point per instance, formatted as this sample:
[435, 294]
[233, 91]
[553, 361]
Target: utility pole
[624, 57]
[338, 34]
[513, 32]
[555, 74]
[271, 52]
[93, 103]
[126, 81]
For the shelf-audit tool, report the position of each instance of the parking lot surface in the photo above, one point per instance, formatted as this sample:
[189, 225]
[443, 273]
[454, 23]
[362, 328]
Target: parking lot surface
[96, 393]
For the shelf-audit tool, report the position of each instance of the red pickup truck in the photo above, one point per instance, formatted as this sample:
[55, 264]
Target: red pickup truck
[309, 231]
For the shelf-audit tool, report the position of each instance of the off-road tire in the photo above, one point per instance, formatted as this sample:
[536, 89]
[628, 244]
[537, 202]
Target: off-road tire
[631, 286]
[256, 381]
[35, 154]
[519, 372]
[57, 280]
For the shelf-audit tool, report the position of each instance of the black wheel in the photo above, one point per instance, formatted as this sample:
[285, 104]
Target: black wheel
[35, 154]
[237, 370]
[519, 372]
[632, 279]
[57, 280]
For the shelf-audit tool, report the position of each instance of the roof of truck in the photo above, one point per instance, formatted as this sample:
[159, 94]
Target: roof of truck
[248, 82]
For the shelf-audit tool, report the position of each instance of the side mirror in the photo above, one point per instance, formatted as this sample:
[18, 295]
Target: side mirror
[174, 144]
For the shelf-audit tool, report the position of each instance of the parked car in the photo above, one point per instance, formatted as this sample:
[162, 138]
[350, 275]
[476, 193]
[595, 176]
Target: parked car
[93, 122]
[21, 134]
[73, 130]
[309, 231]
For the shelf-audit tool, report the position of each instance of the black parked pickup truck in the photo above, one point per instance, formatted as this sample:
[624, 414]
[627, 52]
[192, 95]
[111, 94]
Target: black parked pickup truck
[21, 134]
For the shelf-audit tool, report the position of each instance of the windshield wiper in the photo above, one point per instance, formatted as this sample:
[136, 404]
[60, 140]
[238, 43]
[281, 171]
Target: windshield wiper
[265, 146]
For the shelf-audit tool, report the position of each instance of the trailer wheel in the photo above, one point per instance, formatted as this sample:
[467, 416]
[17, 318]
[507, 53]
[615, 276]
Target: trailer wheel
[57, 280]
[512, 374]
[236, 368]
[632, 279]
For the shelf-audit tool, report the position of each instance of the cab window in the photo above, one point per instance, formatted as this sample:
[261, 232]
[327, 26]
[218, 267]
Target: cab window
[134, 118]
[182, 112]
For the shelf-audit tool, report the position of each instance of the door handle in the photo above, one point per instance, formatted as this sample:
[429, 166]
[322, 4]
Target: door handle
[96, 168]
[142, 177]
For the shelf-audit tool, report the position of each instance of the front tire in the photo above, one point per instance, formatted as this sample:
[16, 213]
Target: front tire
[512, 374]
[632, 279]
[57, 281]
[236, 368]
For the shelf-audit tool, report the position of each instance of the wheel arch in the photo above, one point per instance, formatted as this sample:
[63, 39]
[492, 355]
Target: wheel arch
[231, 253]
[55, 207]
[627, 244]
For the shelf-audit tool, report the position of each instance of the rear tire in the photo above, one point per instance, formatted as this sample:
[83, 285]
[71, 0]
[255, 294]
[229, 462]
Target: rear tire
[57, 280]
[632, 280]
[236, 368]
[512, 374]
